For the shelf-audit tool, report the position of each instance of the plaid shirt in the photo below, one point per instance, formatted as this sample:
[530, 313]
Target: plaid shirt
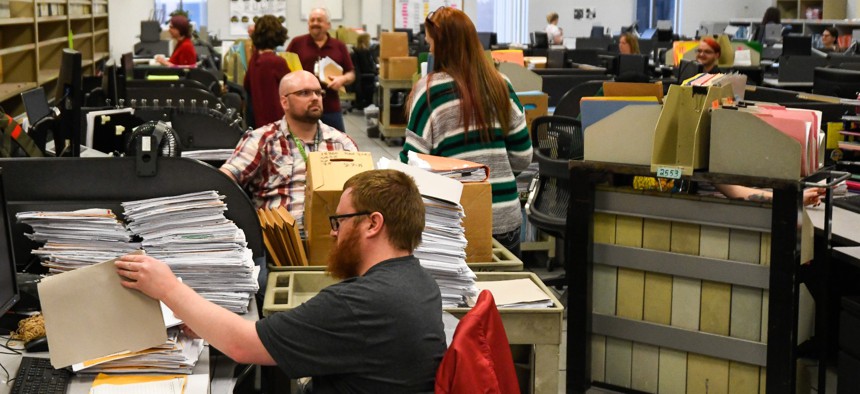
[267, 164]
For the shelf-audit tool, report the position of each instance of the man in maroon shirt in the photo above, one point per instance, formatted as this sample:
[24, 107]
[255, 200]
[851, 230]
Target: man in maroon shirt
[316, 45]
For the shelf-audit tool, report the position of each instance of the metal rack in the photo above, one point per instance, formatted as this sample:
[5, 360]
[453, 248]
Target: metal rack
[778, 353]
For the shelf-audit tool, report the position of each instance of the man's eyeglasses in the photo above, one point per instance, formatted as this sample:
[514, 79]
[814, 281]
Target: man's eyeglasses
[305, 93]
[335, 220]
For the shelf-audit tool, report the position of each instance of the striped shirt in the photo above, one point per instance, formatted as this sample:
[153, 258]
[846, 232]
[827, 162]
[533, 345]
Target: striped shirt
[271, 168]
[435, 128]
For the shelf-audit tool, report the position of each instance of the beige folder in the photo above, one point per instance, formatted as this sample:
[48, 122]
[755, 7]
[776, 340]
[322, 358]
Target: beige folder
[89, 314]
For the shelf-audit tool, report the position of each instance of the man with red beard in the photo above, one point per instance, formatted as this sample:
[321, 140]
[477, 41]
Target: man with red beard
[378, 331]
[270, 162]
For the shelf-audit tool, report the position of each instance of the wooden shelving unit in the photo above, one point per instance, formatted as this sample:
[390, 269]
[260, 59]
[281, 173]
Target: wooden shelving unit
[32, 40]
[827, 9]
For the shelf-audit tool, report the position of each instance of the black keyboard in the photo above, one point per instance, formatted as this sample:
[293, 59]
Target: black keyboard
[851, 203]
[37, 376]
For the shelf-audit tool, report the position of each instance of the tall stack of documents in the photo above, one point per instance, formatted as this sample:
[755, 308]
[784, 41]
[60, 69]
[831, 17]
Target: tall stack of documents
[178, 355]
[77, 239]
[442, 252]
[209, 252]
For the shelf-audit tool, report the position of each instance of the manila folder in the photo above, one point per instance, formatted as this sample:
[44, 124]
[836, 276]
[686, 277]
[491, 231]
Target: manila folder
[88, 314]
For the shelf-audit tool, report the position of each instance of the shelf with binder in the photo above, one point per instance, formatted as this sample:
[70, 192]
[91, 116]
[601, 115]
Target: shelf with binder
[387, 129]
[718, 283]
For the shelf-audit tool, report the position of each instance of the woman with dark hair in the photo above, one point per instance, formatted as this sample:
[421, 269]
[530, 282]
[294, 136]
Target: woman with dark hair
[265, 70]
[771, 16]
[184, 53]
[708, 54]
[467, 110]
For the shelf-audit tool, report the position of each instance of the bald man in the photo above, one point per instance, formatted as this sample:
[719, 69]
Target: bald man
[316, 45]
[271, 162]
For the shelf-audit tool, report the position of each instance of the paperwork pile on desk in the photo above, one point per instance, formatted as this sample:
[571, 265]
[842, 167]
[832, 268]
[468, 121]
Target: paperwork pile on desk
[77, 239]
[178, 355]
[209, 252]
[442, 251]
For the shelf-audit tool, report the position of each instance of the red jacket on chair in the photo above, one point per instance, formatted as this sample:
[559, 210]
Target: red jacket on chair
[479, 359]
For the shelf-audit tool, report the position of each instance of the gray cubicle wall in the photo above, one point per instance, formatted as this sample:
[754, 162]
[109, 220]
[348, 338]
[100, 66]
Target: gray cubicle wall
[77, 183]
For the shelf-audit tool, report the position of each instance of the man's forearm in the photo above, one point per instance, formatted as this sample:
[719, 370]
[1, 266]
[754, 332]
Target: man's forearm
[230, 333]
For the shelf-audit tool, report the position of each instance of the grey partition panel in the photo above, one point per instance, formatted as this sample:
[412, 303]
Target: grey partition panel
[75, 183]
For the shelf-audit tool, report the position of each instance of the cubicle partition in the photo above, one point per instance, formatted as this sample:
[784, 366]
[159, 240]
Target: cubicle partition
[77, 183]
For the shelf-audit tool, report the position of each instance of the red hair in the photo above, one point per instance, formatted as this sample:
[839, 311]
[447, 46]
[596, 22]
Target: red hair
[712, 43]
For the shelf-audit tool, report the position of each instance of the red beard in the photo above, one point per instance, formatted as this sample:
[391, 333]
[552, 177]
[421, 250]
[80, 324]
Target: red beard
[344, 257]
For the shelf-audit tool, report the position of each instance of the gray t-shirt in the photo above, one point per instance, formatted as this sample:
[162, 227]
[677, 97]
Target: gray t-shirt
[378, 333]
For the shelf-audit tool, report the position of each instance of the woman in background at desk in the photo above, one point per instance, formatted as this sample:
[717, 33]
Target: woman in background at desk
[467, 110]
[184, 53]
[628, 44]
[708, 54]
[554, 34]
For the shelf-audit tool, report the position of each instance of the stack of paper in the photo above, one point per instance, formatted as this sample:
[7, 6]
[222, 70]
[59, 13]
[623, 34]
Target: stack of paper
[178, 355]
[517, 293]
[442, 251]
[802, 125]
[461, 170]
[208, 154]
[209, 252]
[78, 238]
[736, 80]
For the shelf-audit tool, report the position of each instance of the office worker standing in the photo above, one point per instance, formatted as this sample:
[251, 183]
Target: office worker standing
[270, 162]
[265, 70]
[378, 331]
[466, 109]
[316, 45]
[184, 54]
[554, 34]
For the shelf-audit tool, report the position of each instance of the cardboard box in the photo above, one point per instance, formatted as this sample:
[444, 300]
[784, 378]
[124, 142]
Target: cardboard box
[327, 172]
[477, 202]
[402, 67]
[535, 104]
[393, 44]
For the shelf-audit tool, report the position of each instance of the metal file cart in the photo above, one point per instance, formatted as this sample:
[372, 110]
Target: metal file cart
[776, 350]
[387, 129]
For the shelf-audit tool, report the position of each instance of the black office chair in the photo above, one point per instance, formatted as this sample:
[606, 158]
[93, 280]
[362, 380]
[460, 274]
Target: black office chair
[556, 140]
[568, 105]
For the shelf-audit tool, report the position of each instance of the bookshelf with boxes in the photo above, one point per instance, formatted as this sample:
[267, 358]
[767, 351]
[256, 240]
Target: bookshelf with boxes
[812, 9]
[33, 34]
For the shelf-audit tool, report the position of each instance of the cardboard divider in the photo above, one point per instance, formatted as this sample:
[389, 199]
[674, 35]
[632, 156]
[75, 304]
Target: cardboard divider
[626, 136]
[683, 131]
[743, 144]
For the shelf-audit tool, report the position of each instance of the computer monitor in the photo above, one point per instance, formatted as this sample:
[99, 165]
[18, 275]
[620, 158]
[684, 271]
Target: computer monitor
[664, 30]
[796, 45]
[113, 83]
[9, 293]
[408, 32]
[630, 64]
[488, 39]
[687, 69]
[597, 32]
[35, 104]
[69, 100]
[127, 63]
[836, 82]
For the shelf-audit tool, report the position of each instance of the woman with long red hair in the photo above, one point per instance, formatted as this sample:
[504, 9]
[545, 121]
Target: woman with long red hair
[465, 109]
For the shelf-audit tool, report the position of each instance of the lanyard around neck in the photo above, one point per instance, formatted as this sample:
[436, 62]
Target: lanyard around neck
[300, 145]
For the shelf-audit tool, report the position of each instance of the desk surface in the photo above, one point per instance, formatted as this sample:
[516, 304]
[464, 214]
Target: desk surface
[774, 82]
[198, 383]
[846, 224]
